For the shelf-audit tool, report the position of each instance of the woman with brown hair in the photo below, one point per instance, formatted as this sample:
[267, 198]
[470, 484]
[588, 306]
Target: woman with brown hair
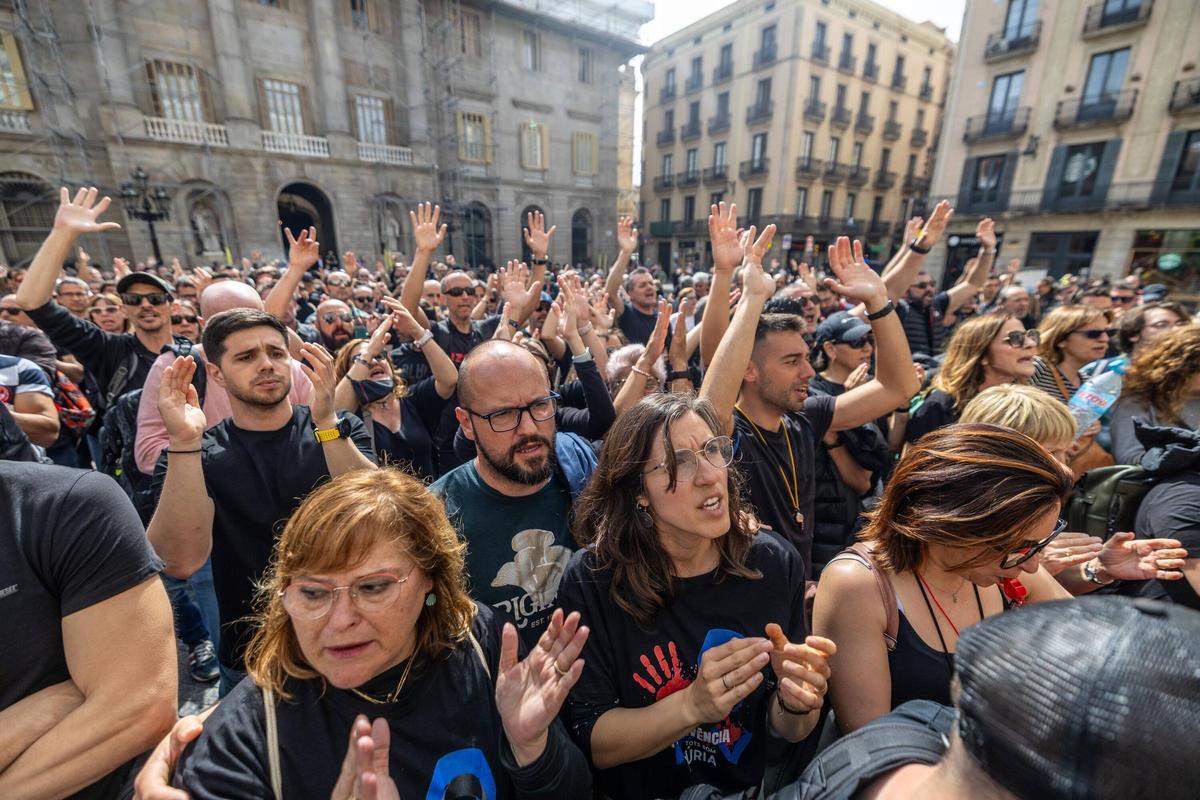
[968, 509]
[985, 351]
[1162, 387]
[1072, 336]
[698, 653]
[373, 673]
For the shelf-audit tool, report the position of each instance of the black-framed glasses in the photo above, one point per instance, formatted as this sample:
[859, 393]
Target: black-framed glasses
[717, 451]
[458, 291]
[922, 285]
[1018, 339]
[313, 599]
[179, 319]
[12, 312]
[1123, 300]
[329, 316]
[1019, 557]
[154, 298]
[360, 300]
[503, 420]
[860, 342]
[1096, 334]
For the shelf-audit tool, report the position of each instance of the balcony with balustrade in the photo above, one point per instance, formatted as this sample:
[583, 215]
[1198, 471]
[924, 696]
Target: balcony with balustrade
[754, 169]
[891, 130]
[1185, 96]
[885, 179]
[834, 172]
[847, 63]
[871, 72]
[661, 229]
[760, 112]
[716, 176]
[808, 169]
[666, 137]
[879, 227]
[919, 137]
[899, 82]
[840, 117]
[864, 123]
[687, 178]
[1009, 123]
[814, 110]
[386, 154]
[722, 73]
[694, 83]
[185, 131]
[690, 130]
[15, 122]
[1105, 109]
[926, 91]
[718, 124]
[296, 144]
[820, 53]
[664, 182]
[1107, 16]
[765, 56]
[858, 176]
[914, 184]
[667, 93]
[1012, 42]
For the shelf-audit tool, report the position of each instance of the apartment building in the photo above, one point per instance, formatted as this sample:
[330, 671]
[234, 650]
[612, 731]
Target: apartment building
[252, 114]
[1076, 125]
[817, 115]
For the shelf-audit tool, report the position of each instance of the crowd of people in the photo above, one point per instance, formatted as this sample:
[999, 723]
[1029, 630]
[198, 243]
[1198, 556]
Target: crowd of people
[779, 528]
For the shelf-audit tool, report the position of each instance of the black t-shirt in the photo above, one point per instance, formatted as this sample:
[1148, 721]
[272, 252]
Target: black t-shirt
[923, 325]
[447, 737]
[630, 667]
[456, 344]
[256, 479]
[69, 539]
[761, 454]
[1171, 510]
[411, 447]
[637, 326]
[937, 410]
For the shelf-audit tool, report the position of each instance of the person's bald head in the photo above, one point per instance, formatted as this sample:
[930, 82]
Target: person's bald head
[335, 323]
[226, 295]
[431, 292]
[495, 364]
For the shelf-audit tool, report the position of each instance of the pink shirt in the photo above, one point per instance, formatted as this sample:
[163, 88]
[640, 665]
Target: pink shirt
[152, 436]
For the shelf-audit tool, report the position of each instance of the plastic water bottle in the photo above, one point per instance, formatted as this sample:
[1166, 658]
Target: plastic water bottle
[1097, 395]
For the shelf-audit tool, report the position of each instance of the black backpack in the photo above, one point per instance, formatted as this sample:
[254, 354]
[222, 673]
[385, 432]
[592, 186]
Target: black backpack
[1106, 499]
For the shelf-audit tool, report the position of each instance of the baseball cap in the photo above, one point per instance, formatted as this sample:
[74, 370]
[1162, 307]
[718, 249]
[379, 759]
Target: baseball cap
[144, 277]
[842, 327]
[1155, 292]
[1092, 698]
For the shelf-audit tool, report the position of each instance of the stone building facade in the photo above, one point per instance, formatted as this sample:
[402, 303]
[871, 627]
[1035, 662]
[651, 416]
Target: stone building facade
[339, 113]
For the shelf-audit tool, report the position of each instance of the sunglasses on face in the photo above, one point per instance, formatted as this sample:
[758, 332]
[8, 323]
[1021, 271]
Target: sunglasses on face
[1019, 338]
[1116, 298]
[922, 285]
[336, 282]
[12, 312]
[363, 299]
[105, 310]
[329, 316]
[1096, 334]
[860, 342]
[1019, 557]
[458, 291]
[190, 319]
[135, 299]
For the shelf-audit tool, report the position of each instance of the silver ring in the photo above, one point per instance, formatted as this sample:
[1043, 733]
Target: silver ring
[726, 685]
[562, 673]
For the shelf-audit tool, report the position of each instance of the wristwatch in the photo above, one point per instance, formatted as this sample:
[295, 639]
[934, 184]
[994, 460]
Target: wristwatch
[679, 375]
[916, 248]
[1089, 572]
[539, 261]
[339, 431]
[422, 340]
[583, 357]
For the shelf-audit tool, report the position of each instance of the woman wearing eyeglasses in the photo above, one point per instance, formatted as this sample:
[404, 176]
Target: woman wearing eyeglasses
[985, 351]
[186, 320]
[968, 509]
[106, 313]
[1072, 336]
[401, 418]
[698, 659]
[373, 674]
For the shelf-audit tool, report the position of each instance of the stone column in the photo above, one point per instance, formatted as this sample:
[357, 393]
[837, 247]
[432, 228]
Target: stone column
[237, 85]
[330, 97]
[112, 41]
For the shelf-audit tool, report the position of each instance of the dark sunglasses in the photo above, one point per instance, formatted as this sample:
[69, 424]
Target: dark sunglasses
[1116, 298]
[922, 285]
[1019, 557]
[14, 312]
[99, 310]
[543, 306]
[1019, 338]
[336, 282]
[1109, 332]
[135, 299]
[364, 299]
[458, 291]
[861, 342]
[190, 319]
[330, 316]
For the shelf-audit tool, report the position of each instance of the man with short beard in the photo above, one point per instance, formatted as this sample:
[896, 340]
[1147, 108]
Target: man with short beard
[335, 324]
[227, 490]
[512, 502]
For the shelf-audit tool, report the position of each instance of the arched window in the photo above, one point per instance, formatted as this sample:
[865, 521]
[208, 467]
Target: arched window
[522, 223]
[581, 237]
[477, 235]
[27, 208]
[301, 205]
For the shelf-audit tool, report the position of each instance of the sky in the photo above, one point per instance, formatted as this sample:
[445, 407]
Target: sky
[672, 15]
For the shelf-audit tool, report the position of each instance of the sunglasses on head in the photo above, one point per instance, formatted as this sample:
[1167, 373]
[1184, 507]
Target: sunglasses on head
[1019, 338]
[861, 341]
[1096, 334]
[190, 319]
[135, 299]
[458, 291]
[330, 316]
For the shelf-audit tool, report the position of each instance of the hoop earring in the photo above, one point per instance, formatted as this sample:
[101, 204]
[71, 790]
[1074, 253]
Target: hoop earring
[643, 517]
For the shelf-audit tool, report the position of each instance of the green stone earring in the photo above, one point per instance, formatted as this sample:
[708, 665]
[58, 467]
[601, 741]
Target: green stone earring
[430, 600]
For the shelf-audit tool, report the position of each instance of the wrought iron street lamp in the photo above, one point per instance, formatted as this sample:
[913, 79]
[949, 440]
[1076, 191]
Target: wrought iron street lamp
[147, 203]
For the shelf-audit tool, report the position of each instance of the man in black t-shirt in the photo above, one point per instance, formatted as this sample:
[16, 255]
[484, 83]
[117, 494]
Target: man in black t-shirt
[1171, 510]
[758, 380]
[637, 318]
[88, 678]
[226, 491]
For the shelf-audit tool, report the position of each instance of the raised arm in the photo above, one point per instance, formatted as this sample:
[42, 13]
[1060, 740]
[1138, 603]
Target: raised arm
[73, 219]
[901, 276]
[428, 237]
[723, 381]
[977, 269]
[445, 374]
[341, 454]
[627, 240]
[727, 254]
[303, 252]
[895, 380]
[537, 239]
[634, 388]
[518, 291]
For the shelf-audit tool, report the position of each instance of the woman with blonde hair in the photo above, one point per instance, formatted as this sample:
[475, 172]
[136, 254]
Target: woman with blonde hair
[401, 418]
[985, 351]
[373, 673]
[1071, 336]
[107, 313]
[1162, 387]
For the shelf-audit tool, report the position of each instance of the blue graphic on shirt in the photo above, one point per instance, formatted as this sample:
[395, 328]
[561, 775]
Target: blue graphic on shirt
[462, 775]
[727, 737]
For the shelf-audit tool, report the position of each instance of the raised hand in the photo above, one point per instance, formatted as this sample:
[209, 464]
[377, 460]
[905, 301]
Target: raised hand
[1127, 558]
[317, 364]
[537, 238]
[912, 228]
[504, 330]
[627, 235]
[120, 267]
[1070, 550]
[378, 343]
[303, 252]
[756, 248]
[855, 280]
[723, 234]
[203, 279]
[179, 404]
[553, 316]
[529, 693]
[575, 300]
[426, 234]
[658, 337]
[986, 232]
[82, 257]
[81, 215]
[364, 774]
[728, 674]
[802, 669]
[402, 321]
[677, 355]
[806, 275]
[513, 278]
[937, 223]
[755, 282]
[349, 262]
[857, 377]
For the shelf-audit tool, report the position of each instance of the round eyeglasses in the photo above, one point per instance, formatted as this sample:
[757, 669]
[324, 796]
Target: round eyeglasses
[717, 451]
[312, 599]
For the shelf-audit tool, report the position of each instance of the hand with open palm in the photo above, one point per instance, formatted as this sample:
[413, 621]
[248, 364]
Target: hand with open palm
[723, 234]
[854, 279]
[179, 405]
[426, 234]
[537, 238]
[81, 215]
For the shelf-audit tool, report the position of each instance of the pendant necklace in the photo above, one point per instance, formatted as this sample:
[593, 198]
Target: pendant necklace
[391, 698]
[793, 487]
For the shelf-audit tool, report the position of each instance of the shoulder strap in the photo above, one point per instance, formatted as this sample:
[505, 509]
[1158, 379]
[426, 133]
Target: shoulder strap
[1062, 386]
[116, 384]
[479, 652]
[273, 744]
[860, 552]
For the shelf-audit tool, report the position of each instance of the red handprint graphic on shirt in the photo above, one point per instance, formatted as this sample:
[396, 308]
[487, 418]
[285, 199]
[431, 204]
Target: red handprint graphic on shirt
[667, 680]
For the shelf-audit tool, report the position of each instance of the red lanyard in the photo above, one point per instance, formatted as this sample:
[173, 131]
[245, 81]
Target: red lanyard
[953, 627]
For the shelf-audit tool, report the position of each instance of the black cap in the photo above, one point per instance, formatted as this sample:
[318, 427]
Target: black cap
[144, 277]
[842, 327]
[1095, 698]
